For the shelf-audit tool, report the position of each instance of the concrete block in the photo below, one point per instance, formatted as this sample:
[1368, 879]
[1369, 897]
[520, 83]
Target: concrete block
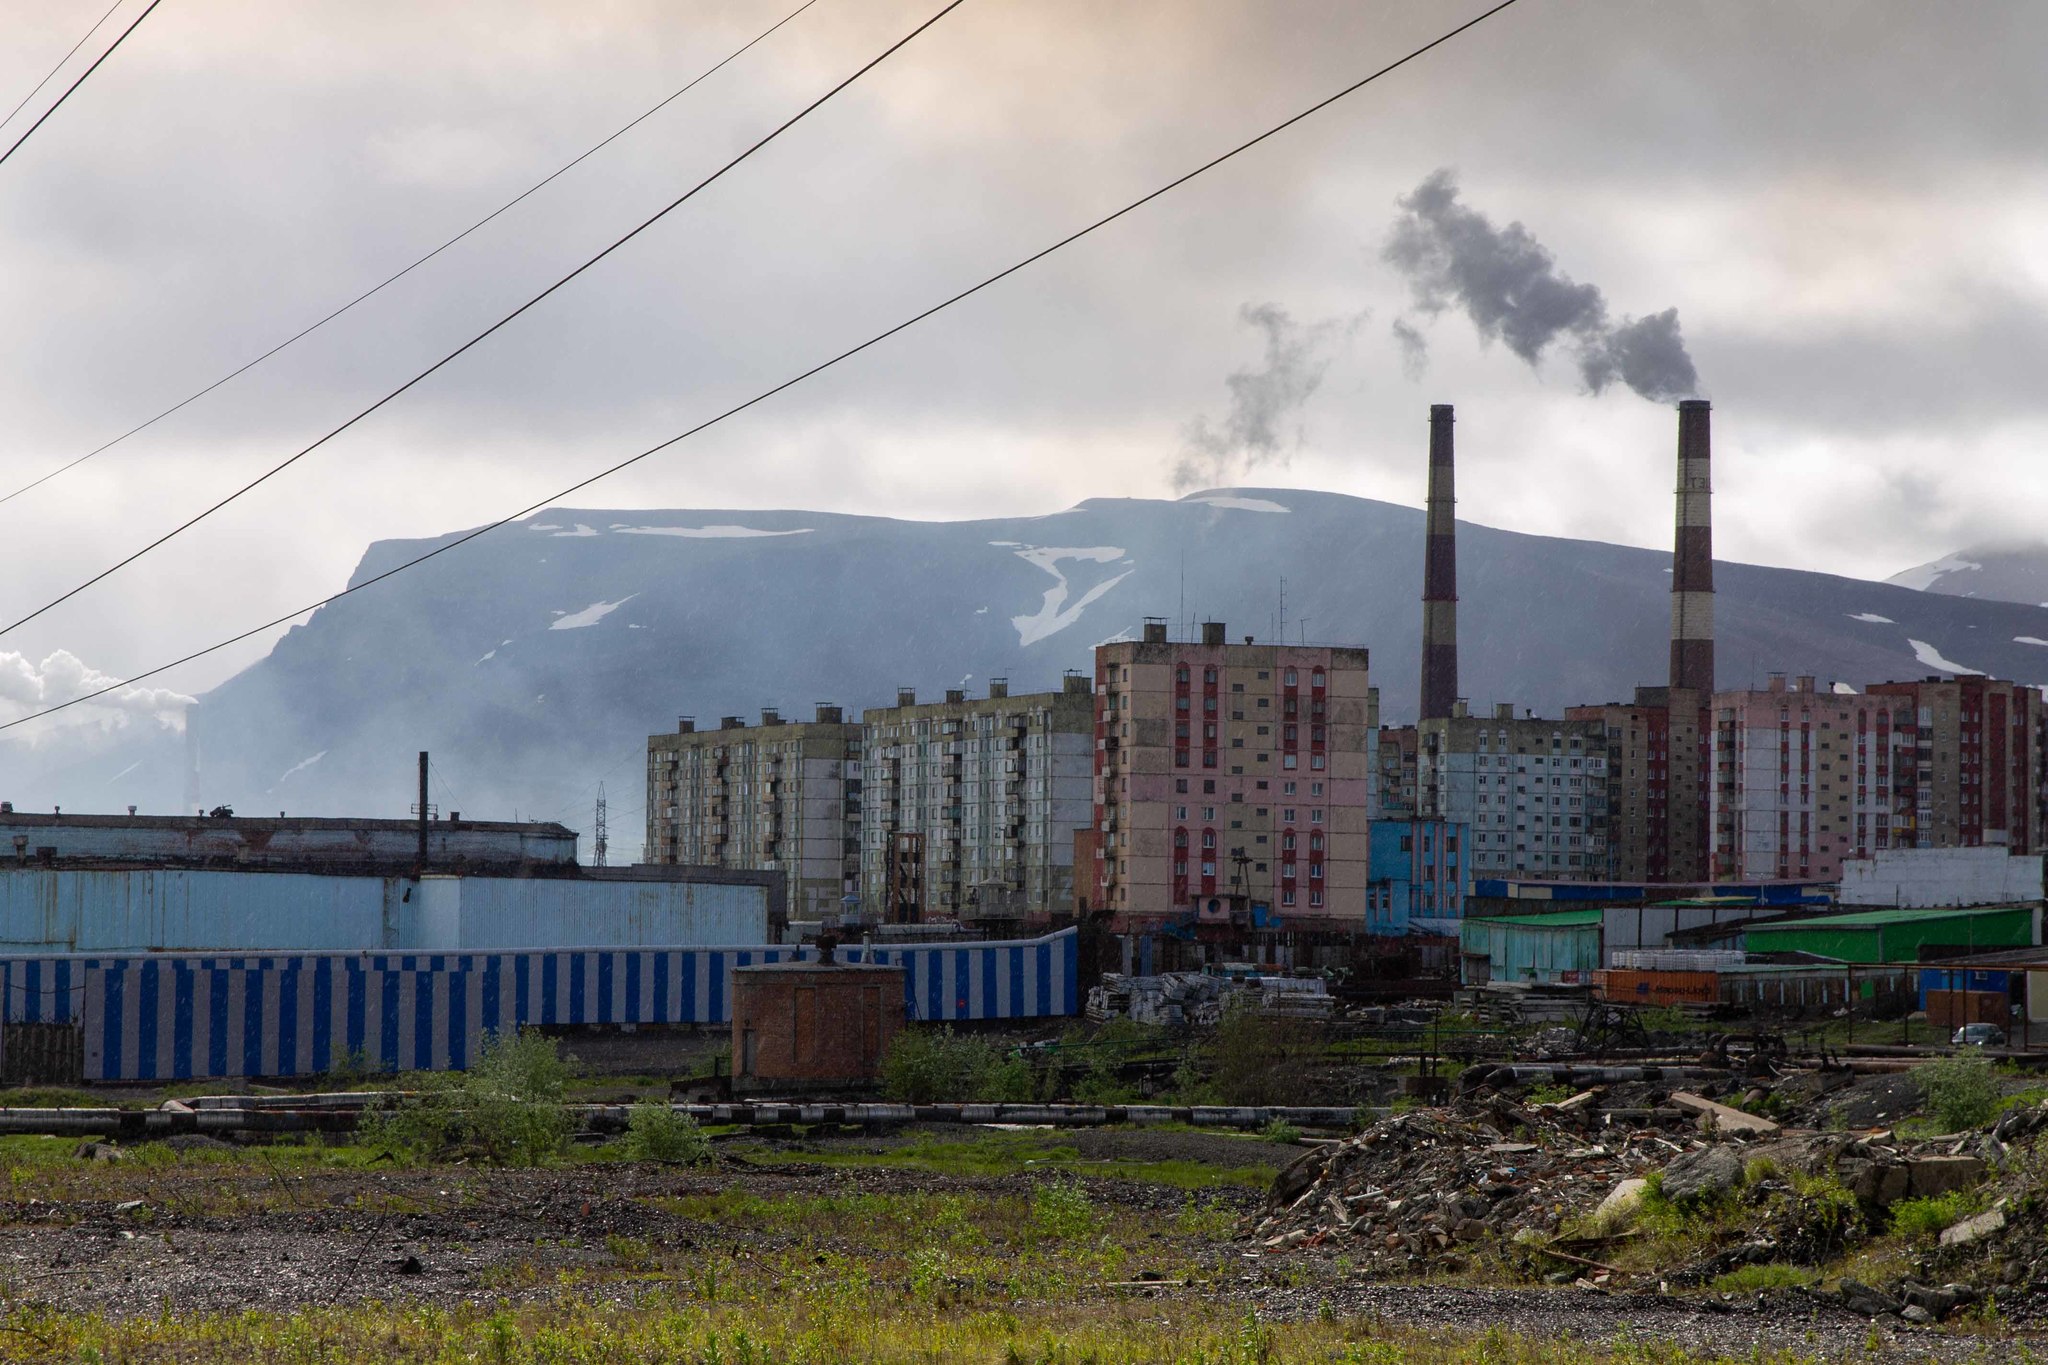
[1720, 1118]
[1932, 1175]
[1974, 1229]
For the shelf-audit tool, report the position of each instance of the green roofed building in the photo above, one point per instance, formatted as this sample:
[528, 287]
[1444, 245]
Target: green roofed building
[1561, 947]
[1898, 935]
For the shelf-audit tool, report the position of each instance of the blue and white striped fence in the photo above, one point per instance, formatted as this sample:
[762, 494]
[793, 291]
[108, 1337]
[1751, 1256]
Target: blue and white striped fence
[190, 1016]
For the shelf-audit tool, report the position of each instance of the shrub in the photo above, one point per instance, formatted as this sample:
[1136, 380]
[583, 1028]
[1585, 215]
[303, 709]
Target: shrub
[1962, 1092]
[1281, 1131]
[1062, 1210]
[1260, 1060]
[655, 1132]
[925, 1066]
[1923, 1220]
[507, 1108]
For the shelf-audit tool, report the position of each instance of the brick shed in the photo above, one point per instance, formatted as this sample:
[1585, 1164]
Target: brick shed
[813, 1025]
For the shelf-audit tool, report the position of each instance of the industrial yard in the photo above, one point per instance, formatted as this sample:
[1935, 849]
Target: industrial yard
[1750, 1201]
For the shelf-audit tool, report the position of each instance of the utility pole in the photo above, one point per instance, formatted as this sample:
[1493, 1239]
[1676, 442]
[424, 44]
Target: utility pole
[598, 853]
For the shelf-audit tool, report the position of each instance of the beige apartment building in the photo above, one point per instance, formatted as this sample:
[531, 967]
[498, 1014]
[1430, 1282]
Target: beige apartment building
[970, 804]
[1230, 778]
[782, 795]
[1533, 791]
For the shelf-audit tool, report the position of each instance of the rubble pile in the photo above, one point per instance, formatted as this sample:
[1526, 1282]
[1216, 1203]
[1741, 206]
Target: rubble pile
[1200, 999]
[1556, 1189]
[1430, 1186]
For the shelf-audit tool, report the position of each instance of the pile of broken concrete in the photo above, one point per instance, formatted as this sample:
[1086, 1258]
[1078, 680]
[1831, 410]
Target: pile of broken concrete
[1430, 1185]
[1547, 1187]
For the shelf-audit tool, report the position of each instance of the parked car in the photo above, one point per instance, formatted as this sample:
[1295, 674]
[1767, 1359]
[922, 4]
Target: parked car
[1979, 1035]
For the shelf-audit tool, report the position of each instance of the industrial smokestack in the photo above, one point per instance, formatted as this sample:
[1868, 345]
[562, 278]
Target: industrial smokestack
[1692, 560]
[1440, 574]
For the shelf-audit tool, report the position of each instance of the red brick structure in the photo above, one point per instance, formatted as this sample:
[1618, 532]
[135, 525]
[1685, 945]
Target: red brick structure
[813, 1025]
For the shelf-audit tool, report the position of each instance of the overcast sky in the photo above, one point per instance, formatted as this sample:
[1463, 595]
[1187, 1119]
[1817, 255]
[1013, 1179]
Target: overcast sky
[1844, 204]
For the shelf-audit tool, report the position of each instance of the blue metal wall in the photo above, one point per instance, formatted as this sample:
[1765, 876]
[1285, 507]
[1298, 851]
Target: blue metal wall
[186, 1016]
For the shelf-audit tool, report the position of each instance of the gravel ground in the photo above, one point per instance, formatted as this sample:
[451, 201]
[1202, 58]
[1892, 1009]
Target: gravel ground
[465, 1236]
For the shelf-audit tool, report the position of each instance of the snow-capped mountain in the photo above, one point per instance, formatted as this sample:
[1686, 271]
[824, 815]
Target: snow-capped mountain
[534, 662]
[2008, 573]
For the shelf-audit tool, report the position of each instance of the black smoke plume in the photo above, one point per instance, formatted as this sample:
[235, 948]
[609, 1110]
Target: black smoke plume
[1509, 285]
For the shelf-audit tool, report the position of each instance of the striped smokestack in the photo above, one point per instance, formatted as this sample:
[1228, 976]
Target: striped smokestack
[1440, 574]
[1692, 561]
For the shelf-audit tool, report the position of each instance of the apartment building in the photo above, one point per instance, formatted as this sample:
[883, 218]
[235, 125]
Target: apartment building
[1977, 761]
[970, 804]
[778, 796]
[1419, 876]
[1805, 778]
[1396, 785]
[1532, 791]
[1233, 782]
[1657, 780]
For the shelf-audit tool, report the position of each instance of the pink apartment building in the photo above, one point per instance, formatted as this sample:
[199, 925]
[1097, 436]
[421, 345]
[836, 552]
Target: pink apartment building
[1803, 779]
[1232, 781]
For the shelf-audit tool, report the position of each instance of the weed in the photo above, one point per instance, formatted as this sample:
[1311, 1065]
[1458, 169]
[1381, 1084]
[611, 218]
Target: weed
[1062, 1210]
[1923, 1220]
[507, 1108]
[656, 1132]
[1962, 1092]
[1755, 1279]
[1282, 1132]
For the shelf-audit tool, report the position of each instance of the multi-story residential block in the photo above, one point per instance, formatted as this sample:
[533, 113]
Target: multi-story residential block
[1419, 876]
[778, 796]
[1978, 761]
[1232, 779]
[1804, 779]
[970, 804]
[1396, 784]
[1532, 791]
[1657, 780]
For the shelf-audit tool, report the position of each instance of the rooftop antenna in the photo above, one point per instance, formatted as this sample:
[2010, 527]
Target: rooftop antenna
[603, 843]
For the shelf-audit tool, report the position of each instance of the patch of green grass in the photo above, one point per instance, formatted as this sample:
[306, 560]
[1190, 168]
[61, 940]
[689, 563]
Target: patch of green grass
[1006, 1153]
[1921, 1221]
[1753, 1279]
[51, 1097]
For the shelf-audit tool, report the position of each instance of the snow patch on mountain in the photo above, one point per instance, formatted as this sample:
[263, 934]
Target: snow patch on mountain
[1054, 614]
[1872, 617]
[1236, 503]
[580, 532]
[1929, 655]
[590, 615]
[720, 532]
[301, 765]
[1923, 577]
[2028, 640]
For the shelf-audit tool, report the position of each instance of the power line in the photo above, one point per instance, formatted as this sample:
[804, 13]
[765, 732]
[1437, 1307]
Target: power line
[766, 394]
[60, 64]
[80, 81]
[673, 204]
[393, 279]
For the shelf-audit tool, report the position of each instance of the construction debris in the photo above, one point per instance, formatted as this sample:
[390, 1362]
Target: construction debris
[1200, 999]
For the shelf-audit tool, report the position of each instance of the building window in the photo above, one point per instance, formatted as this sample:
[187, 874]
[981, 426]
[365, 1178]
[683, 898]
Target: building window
[1289, 680]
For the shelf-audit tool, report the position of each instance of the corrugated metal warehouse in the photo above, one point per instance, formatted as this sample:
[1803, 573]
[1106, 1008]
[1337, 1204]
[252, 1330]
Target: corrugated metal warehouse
[183, 1016]
[55, 910]
[1897, 935]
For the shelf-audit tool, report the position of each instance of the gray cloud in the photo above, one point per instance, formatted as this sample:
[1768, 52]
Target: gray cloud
[1509, 285]
[1263, 402]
